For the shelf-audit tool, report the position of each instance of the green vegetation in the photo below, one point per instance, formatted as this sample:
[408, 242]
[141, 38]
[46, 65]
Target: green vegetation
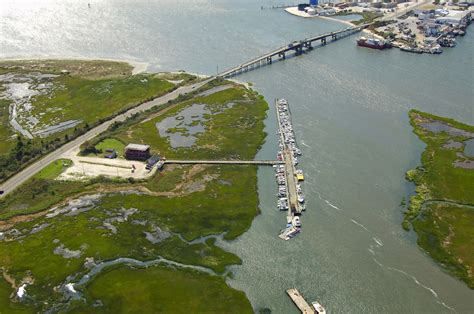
[441, 211]
[54, 169]
[88, 69]
[8, 307]
[143, 220]
[169, 291]
[110, 143]
[6, 133]
[367, 17]
[226, 135]
[93, 100]
[446, 232]
[85, 91]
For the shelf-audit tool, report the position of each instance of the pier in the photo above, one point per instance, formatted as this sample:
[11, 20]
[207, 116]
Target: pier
[299, 301]
[295, 47]
[226, 162]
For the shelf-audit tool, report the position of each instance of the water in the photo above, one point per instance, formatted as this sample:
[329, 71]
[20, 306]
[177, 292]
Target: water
[349, 109]
[469, 148]
[185, 126]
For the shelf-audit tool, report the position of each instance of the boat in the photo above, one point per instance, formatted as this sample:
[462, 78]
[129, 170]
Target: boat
[299, 175]
[411, 49]
[300, 198]
[373, 43]
[288, 233]
[318, 308]
[296, 221]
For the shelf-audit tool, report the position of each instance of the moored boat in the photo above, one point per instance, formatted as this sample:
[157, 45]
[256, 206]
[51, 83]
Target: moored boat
[373, 43]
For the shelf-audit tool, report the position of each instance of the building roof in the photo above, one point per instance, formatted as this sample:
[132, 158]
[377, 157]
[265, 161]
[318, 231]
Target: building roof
[138, 147]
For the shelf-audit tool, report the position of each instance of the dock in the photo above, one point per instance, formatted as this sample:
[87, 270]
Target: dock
[299, 301]
[225, 162]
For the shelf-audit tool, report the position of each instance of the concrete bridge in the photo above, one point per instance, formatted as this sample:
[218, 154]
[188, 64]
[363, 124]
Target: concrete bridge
[296, 47]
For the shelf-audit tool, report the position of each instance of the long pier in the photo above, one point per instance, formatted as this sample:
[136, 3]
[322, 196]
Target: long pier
[297, 47]
[226, 162]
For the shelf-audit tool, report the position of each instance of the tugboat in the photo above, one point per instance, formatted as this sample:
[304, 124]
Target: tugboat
[373, 43]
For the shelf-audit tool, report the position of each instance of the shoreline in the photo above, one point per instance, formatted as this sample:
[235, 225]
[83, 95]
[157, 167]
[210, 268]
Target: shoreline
[138, 66]
[294, 11]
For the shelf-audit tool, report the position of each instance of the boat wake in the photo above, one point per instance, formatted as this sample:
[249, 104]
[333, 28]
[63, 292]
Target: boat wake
[304, 144]
[378, 241]
[328, 203]
[418, 283]
[361, 225]
[332, 205]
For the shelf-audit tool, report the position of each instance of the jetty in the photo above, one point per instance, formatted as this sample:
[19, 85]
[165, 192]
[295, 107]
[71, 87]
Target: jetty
[299, 301]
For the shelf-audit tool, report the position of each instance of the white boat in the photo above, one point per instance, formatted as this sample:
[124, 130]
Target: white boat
[300, 198]
[318, 308]
[296, 221]
[289, 233]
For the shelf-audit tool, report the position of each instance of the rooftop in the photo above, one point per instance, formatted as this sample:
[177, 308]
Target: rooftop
[138, 147]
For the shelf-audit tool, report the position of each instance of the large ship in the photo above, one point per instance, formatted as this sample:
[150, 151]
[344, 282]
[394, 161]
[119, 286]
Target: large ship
[373, 43]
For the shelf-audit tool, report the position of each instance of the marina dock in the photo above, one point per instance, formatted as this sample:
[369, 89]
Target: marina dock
[290, 195]
[300, 302]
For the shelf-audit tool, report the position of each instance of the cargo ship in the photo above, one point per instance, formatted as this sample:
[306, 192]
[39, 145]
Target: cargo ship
[373, 43]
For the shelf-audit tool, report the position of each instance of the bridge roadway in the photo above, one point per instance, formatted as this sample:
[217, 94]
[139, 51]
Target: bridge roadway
[227, 162]
[297, 46]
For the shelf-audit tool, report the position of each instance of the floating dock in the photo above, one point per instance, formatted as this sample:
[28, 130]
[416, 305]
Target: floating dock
[300, 302]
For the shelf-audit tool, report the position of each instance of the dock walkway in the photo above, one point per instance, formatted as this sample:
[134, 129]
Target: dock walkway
[226, 162]
[299, 301]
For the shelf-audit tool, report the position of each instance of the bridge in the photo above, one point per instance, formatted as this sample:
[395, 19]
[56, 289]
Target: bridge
[226, 162]
[296, 47]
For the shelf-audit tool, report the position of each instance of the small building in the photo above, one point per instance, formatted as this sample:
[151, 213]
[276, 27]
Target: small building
[137, 152]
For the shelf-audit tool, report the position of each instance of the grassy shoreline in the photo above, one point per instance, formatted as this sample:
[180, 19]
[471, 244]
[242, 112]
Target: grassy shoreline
[441, 210]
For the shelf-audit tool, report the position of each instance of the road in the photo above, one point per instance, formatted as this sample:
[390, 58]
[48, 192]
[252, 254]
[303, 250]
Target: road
[25, 174]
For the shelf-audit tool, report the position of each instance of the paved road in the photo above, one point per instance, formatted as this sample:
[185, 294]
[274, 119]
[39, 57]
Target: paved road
[18, 179]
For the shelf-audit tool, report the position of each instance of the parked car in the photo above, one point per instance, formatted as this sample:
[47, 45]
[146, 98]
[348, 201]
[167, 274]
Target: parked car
[1, 192]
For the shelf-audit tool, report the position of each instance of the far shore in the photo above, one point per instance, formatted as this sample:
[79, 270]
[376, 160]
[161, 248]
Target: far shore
[138, 67]
[296, 12]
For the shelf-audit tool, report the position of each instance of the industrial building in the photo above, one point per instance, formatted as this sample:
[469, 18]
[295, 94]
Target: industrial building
[137, 152]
